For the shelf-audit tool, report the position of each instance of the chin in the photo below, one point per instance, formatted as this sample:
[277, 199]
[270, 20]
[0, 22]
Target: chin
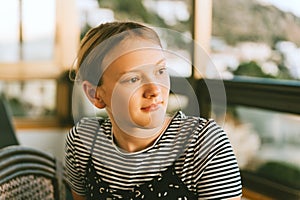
[152, 120]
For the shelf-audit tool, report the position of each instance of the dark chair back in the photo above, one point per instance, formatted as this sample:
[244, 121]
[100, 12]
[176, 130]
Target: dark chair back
[7, 130]
[28, 173]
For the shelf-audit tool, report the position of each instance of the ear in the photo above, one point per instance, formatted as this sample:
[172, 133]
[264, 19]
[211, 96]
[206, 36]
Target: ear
[90, 91]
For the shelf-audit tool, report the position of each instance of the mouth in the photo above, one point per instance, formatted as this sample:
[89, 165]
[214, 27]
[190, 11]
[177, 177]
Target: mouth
[152, 107]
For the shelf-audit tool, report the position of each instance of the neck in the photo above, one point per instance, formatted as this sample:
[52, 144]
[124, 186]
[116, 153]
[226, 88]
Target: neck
[131, 143]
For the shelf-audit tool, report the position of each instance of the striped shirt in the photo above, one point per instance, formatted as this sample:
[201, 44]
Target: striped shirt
[198, 149]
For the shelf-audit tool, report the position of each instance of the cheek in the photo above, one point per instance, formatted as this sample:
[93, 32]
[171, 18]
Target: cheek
[135, 100]
[123, 100]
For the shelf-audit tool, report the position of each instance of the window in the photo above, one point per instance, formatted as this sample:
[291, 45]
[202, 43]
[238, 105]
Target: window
[24, 104]
[27, 55]
[34, 53]
[28, 30]
[256, 39]
[9, 43]
[257, 56]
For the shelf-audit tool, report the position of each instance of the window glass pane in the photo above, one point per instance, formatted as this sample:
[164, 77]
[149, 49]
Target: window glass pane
[38, 29]
[266, 143]
[256, 39]
[9, 34]
[30, 98]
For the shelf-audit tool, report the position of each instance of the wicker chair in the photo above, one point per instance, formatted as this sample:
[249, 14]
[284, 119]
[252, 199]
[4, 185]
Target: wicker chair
[28, 173]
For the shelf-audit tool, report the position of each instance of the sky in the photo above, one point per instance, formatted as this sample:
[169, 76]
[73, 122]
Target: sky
[292, 6]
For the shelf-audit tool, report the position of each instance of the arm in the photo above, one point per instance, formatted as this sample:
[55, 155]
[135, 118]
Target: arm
[73, 176]
[235, 198]
[220, 177]
[77, 196]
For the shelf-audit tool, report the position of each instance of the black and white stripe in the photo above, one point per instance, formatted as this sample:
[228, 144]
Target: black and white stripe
[199, 148]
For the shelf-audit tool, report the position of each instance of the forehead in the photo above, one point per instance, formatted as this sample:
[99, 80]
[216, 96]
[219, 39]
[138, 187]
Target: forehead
[133, 53]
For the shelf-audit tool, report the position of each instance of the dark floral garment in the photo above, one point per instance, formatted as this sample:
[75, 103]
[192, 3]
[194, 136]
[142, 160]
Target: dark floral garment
[167, 186]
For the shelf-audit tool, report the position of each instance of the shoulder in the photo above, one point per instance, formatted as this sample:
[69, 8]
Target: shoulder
[86, 125]
[83, 131]
[206, 135]
[200, 126]
[208, 164]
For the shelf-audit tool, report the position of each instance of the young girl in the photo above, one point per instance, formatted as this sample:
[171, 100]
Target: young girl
[139, 152]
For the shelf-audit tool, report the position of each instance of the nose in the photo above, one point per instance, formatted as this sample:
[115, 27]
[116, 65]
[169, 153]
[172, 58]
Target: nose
[151, 90]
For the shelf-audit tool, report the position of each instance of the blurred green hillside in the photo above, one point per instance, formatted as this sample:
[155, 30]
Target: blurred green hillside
[247, 20]
[233, 20]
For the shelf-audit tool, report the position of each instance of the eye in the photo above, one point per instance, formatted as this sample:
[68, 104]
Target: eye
[162, 70]
[130, 79]
[133, 80]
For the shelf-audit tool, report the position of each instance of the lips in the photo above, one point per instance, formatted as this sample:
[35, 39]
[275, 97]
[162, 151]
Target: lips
[151, 107]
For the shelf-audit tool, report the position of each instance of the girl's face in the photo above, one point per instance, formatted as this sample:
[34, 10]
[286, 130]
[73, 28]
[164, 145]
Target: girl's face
[135, 87]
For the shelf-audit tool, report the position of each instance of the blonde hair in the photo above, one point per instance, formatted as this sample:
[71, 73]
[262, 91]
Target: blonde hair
[99, 41]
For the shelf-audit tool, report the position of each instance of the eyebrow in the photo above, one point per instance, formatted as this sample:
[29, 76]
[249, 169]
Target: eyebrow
[160, 61]
[156, 64]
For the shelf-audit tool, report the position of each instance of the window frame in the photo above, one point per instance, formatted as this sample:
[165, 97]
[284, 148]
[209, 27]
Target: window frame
[269, 94]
